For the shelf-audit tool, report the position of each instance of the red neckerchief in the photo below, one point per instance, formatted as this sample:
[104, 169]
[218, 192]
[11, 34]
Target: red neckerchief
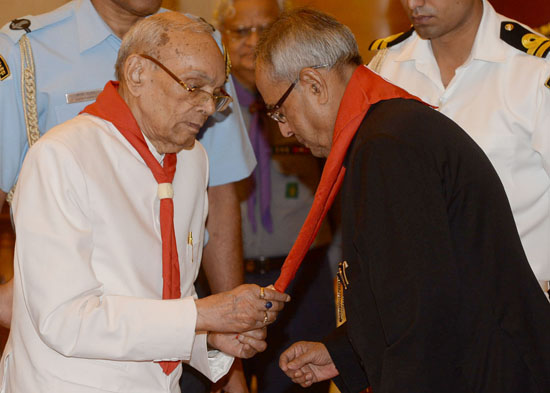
[364, 89]
[110, 106]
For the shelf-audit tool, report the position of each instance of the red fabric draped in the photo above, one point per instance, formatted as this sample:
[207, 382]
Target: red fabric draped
[111, 107]
[364, 89]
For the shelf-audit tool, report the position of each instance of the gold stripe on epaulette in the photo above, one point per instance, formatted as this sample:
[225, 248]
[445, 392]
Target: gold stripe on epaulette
[535, 44]
[382, 43]
[542, 49]
[4, 69]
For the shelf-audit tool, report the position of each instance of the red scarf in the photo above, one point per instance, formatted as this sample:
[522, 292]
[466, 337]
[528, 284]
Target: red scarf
[364, 89]
[110, 106]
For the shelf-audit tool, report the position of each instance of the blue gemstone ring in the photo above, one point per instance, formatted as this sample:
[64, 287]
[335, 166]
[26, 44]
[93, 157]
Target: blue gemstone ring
[268, 305]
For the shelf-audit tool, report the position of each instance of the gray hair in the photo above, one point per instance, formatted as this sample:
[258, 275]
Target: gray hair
[150, 34]
[226, 9]
[303, 38]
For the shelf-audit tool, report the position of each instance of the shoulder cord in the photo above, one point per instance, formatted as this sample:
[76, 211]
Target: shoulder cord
[378, 60]
[28, 97]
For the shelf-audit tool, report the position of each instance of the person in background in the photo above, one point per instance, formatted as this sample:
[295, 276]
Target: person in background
[438, 293]
[486, 72]
[106, 258]
[274, 202]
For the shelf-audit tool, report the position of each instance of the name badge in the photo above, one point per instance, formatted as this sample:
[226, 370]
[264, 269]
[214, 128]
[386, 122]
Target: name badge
[82, 96]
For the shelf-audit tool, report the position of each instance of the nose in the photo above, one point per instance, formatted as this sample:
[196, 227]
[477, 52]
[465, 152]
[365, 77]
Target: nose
[207, 104]
[412, 4]
[252, 38]
[285, 130]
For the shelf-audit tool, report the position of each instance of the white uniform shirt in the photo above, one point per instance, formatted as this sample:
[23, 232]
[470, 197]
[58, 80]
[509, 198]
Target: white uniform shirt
[87, 313]
[498, 96]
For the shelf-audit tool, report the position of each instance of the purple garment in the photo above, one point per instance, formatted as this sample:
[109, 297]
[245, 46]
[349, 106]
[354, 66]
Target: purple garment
[262, 150]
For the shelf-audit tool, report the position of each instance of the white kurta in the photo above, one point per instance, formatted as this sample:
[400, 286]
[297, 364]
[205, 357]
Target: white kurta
[501, 97]
[87, 313]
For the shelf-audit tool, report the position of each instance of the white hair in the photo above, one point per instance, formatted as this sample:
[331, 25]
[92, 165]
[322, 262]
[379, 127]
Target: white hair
[150, 34]
[303, 38]
[226, 9]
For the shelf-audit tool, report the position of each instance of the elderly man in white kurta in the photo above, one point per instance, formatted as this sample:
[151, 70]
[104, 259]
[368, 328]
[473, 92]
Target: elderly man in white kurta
[110, 215]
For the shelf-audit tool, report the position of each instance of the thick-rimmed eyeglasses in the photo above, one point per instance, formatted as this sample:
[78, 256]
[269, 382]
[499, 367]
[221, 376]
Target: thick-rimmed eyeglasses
[273, 110]
[196, 95]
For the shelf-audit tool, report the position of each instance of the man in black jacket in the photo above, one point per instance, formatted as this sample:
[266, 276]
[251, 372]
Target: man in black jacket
[439, 295]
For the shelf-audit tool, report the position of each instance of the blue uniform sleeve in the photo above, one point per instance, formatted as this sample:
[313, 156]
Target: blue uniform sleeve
[13, 137]
[226, 141]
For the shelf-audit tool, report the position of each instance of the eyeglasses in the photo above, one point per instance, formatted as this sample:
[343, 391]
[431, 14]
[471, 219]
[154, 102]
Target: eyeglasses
[273, 110]
[243, 32]
[196, 95]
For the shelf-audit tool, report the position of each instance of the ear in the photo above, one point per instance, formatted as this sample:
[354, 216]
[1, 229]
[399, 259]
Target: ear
[315, 84]
[134, 69]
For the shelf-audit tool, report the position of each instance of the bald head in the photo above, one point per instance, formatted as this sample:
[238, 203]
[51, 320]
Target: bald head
[151, 35]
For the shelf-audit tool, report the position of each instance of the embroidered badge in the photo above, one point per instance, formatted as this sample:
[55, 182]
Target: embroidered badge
[292, 190]
[547, 84]
[4, 69]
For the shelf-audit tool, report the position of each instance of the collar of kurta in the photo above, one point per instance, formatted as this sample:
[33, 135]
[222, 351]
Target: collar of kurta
[110, 106]
[364, 89]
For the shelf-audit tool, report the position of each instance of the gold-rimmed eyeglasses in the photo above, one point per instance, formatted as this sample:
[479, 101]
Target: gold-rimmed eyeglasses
[242, 32]
[198, 96]
[273, 110]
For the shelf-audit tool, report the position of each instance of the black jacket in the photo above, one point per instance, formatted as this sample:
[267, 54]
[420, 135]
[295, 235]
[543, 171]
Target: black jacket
[441, 296]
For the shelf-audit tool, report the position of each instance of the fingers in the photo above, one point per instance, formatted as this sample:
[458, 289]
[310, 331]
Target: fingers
[271, 294]
[258, 334]
[304, 377]
[299, 355]
[251, 345]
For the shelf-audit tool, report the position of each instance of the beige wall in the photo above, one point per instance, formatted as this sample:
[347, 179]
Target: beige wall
[368, 19]
[16, 8]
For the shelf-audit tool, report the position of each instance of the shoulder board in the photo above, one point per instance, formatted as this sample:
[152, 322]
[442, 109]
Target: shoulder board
[524, 39]
[31, 23]
[390, 41]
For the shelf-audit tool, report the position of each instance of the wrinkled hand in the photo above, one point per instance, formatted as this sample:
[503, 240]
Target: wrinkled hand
[233, 382]
[239, 310]
[243, 345]
[307, 362]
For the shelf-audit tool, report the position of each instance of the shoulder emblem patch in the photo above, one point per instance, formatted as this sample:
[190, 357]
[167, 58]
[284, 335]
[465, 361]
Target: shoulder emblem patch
[390, 41]
[525, 40]
[4, 69]
[547, 84]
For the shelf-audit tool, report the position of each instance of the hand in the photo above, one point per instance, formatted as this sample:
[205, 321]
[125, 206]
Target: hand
[239, 310]
[244, 345]
[307, 362]
[233, 382]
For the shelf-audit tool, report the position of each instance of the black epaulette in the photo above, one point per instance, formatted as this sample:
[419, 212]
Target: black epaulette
[390, 41]
[523, 39]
